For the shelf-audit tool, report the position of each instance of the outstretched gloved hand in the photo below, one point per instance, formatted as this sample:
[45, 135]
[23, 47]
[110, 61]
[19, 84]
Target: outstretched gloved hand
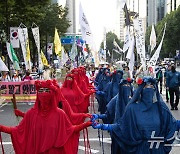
[102, 126]
[80, 127]
[5, 129]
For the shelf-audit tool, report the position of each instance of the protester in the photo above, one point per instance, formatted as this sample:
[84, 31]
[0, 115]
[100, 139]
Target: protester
[126, 73]
[47, 127]
[5, 76]
[116, 107]
[159, 77]
[34, 73]
[145, 115]
[168, 69]
[27, 77]
[173, 83]
[16, 77]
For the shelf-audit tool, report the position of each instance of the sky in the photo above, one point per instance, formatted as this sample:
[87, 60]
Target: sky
[100, 14]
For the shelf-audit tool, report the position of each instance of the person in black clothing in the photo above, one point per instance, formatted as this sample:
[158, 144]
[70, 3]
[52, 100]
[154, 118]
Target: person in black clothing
[159, 78]
[172, 83]
[168, 69]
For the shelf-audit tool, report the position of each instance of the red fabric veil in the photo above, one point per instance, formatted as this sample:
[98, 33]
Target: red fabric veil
[45, 131]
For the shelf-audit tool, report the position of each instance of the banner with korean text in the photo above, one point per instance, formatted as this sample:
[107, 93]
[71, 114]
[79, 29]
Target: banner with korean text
[25, 91]
[140, 40]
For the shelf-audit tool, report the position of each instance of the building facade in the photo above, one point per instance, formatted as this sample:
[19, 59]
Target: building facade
[71, 5]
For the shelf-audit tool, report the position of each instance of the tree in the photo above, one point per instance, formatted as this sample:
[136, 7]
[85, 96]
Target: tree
[172, 38]
[110, 36]
[46, 15]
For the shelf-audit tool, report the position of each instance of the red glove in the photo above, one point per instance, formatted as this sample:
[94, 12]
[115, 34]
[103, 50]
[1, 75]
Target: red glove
[87, 115]
[19, 113]
[5, 129]
[80, 127]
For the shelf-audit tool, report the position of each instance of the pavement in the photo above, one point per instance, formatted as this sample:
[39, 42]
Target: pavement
[8, 118]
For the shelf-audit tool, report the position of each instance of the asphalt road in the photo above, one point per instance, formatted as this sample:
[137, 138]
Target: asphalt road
[8, 118]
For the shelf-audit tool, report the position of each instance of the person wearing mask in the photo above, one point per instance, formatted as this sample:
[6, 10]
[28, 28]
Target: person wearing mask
[5, 76]
[172, 83]
[146, 115]
[16, 77]
[45, 128]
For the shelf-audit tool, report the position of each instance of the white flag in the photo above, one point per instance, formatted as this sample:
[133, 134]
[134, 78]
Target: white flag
[131, 48]
[126, 40]
[155, 57]
[131, 63]
[153, 38]
[23, 37]
[35, 32]
[3, 67]
[140, 41]
[14, 38]
[117, 47]
[64, 57]
[87, 35]
[85, 28]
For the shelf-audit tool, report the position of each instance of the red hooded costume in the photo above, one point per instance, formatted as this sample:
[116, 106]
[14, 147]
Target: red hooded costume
[74, 95]
[45, 128]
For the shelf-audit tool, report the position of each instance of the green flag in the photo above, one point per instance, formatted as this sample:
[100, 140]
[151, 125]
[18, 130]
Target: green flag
[12, 56]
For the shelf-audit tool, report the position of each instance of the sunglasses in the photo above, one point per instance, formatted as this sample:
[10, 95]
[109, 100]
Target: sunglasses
[41, 90]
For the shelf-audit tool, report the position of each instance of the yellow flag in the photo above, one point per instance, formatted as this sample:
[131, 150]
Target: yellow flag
[57, 44]
[44, 60]
[28, 57]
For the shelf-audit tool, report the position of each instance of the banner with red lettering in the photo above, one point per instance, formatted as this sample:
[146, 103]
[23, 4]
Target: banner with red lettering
[25, 91]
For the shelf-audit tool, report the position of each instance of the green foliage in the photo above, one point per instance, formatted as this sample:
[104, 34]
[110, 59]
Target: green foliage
[44, 14]
[172, 38]
[110, 36]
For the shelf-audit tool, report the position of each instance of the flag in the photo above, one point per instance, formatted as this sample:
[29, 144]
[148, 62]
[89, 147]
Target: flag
[155, 57]
[153, 38]
[28, 57]
[3, 67]
[49, 48]
[127, 18]
[12, 56]
[64, 56]
[44, 60]
[140, 40]
[73, 52]
[131, 48]
[126, 40]
[117, 48]
[23, 37]
[85, 28]
[57, 44]
[35, 32]
[14, 38]
[84, 50]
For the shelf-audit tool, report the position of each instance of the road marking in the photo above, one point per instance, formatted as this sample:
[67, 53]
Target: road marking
[7, 143]
[92, 150]
[80, 147]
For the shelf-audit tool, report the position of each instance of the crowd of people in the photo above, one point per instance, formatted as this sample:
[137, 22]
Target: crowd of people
[130, 106]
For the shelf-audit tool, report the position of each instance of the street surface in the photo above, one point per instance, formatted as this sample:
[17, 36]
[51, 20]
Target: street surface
[8, 118]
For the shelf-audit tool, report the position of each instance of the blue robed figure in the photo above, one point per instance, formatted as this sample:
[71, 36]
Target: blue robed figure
[146, 115]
